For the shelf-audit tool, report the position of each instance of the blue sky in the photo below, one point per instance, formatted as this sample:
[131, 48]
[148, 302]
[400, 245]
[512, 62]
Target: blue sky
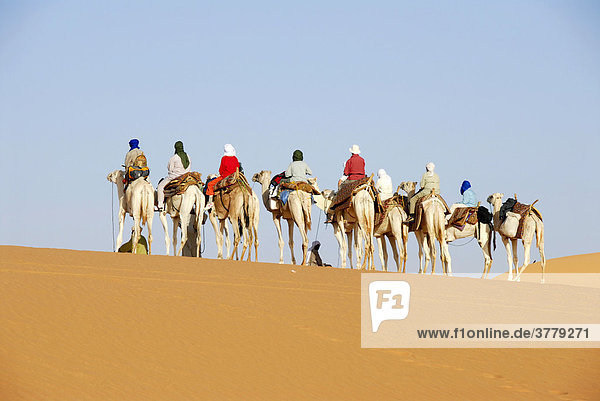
[504, 94]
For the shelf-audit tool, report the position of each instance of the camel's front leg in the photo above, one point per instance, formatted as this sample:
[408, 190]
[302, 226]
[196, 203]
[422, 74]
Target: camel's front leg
[235, 224]
[277, 222]
[120, 235]
[514, 244]
[291, 239]
[420, 240]
[349, 238]
[341, 237]
[216, 224]
[485, 244]
[396, 250]
[404, 254]
[432, 251]
[509, 258]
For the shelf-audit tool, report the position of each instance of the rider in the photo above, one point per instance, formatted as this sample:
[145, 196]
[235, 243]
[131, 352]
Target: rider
[229, 164]
[429, 182]
[178, 165]
[384, 185]
[133, 153]
[354, 170]
[469, 198]
[298, 169]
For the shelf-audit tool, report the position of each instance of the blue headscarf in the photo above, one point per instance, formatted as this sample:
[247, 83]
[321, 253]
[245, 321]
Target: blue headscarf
[465, 185]
[134, 144]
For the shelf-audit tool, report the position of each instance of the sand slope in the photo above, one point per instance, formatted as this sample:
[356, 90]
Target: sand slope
[100, 326]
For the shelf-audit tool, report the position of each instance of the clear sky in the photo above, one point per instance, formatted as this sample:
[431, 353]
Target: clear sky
[505, 94]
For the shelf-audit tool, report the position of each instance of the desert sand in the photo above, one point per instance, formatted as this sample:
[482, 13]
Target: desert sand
[78, 325]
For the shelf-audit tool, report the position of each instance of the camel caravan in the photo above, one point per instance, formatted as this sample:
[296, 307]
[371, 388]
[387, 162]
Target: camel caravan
[360, 211]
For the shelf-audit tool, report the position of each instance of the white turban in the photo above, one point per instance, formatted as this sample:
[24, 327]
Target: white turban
[229, 150]
[381, 173]
[430, 167]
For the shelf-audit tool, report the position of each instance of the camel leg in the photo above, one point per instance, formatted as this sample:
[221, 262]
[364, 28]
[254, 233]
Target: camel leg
[120, 235]
[432, 251]
[404, 253]
[163, 219]
[382, 252]
[445, 253]
[149, 226]
[277, 222]
[540, 246]
[396, 249]
[526, 258]
[185, 220]
[484, 243]
[515, 255]
[218, 233]
[509, 258]
[350, 237]
[236, 235]
[291, 239]
[338, 231]
[137, 232]
[420, 242]
[225, 235]
[175, 221]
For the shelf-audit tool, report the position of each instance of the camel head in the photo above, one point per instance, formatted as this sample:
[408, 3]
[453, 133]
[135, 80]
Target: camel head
[263, 176]
[313, 181]
[408, 186]
[116, 176]
[328, 193]
[496, 200]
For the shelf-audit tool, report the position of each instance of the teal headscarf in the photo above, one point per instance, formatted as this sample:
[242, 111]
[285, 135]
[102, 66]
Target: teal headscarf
[179, 151]
[297, 156]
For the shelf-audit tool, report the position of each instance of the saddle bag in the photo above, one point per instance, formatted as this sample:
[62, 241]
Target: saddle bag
[134, 172]
[510, 225]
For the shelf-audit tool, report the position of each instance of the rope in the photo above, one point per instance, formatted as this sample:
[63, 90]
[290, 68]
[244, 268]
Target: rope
[112, 214]
[472, 238]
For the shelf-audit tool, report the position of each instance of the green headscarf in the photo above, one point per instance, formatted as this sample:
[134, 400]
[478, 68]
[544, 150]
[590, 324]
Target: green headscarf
[297, 156]
[179, 151]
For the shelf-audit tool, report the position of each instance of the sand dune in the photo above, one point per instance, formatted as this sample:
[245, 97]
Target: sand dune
[100, 326]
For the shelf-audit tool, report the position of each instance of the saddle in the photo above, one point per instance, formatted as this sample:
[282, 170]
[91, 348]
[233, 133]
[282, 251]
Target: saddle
[463, 216]
[298, 186]
[232, 181]
[387, 205]
[523, 211]
[180, 184]
[344, 195]
[416, 223]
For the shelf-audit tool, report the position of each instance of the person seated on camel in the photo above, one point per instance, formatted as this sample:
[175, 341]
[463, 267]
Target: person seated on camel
[354, 170]
[178, 165]
[298, 169]
[229, 164]
[429, 182]
[469, 198]
[133, 153]
[384, 185]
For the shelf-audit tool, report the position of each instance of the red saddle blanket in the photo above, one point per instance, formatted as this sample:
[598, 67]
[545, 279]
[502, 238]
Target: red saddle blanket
[180, 184]
[344, 194]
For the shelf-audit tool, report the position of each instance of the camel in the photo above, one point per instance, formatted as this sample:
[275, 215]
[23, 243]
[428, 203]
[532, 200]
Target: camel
[393, 228]
[179, 207]
[138, 201]
[433, 226]
[361, 216]
[230, 205]
[532, 225]
[483, 233]
[297, 211]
